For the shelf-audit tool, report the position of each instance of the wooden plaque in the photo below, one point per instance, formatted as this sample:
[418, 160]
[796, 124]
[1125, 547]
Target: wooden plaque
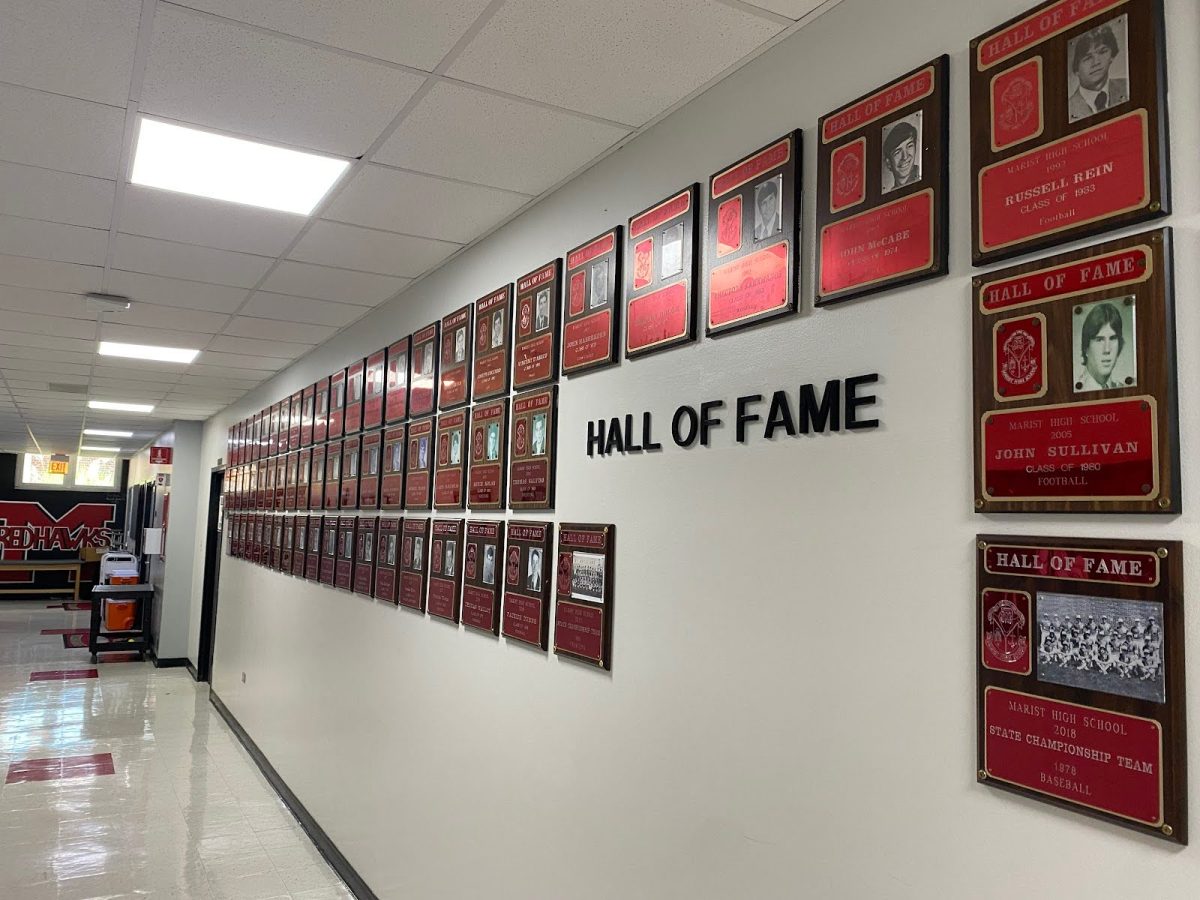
[533, 448]
[883, 167]
[289, 540]
[387, 559]
[752, 271]
[449, 482]
[275, 524]
[592, 318]
[483, 565]
[396, 399]
[320, 431]
[307, 413]
[527, 576]
[364, 556]
[300, 547]
[344, 570]
[355, 378]
[391, 485]
[333, 475]
[336, 422]
[414, 563]
[1080, 676]
[303, 469]
[446, 569]
[418, 482]
[584, 594]
[296, 420]
[663, 256]
[351, 461]
[374, 390]
[1068, 125]
[329, 550]
[280, 483]
[458, 332]
[372, 463]
[535, 354]
[312, 560]
[488, 476]
[290, 486]
[273, 429]
[266, 477]
[493, 343]
[423, 371]
[1074, 367]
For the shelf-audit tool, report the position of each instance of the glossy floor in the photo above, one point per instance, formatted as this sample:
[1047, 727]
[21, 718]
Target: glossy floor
[185, 812]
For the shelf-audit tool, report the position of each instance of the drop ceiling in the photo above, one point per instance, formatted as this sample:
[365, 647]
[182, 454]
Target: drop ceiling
[457, 114]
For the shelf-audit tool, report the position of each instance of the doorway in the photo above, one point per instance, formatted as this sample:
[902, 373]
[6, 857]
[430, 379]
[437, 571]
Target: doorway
[213, 537]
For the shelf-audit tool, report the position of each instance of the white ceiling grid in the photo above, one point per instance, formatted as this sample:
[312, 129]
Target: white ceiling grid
[456, 115]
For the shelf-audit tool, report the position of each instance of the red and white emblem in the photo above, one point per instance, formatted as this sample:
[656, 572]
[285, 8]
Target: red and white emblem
[514, 565]
[519, 441]
[1017, 102]
[1020, 362]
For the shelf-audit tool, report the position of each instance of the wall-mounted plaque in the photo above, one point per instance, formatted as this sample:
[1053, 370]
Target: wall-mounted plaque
[489, 455]
[276, 559]
[374, 390]
[344, 571]
[333, 475]
[1081, 676]
[583, 599]
[418, 482]
[292, 461]
[316, 485]
[592, 318]
[253, 536]
[1068, 125]
[483, 564]
[307, 412]
[882, 198]
[372, 463]
[533, 448]
[351, 461]
[457, 342]
[272, 483]
[262, 540]
[364, 556]
[527, 576]
[273, 429]
[329, 549]
[493, 343]
[355, 378]
[1075, 382]
[446, 569]
[337, 405]
[320, 432]
[414, 563]
[231, 446]
[262, 492]
[289, 541]
[449, 482]
[312, 560]
[391, 485]
[295, 421]
[423, 371]
[303, 467]
[252, 437]
[233, 530]
[300, 547]
[535, 355]
[663, 254]
[280, 490]
[395, 407]
[753, 233]
[387, 558]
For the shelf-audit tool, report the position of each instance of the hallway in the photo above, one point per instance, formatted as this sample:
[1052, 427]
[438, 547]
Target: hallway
[123, 781]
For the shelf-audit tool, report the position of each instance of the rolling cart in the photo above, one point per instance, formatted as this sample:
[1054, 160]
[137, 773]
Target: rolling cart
[132, 635]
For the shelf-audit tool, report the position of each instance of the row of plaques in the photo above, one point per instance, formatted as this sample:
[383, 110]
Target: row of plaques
[492, 576]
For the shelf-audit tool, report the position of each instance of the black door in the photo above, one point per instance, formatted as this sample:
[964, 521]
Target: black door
[213, 546]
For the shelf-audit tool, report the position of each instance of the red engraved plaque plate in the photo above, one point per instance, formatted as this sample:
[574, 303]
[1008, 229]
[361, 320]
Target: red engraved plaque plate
[414, 563]
[579, 630]
[445, 569]
[848, 175]
[364, 556]
[658, 317]
[458, 340]
[533, 447]
[527, 578]
[1019, 355]
[749, 286]
[1101, 566]
[1120, 268]
[421, 450]
[587, 342]
[493, 343]
[448, 483]
[660, 293]
[489, 455]
[1017, 113]
[386, 559]
[882, 244]
[391, 484]
[592, 323]
[1111, 453]
[1092, 757]
[423, 371]
[583, 593]
[538, 305]
[375, 389]
[1007, 626]
[483, 573]
[396, 392]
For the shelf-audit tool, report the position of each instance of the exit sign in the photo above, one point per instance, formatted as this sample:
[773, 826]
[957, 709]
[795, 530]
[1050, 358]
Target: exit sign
[59, 463]
[160, 456]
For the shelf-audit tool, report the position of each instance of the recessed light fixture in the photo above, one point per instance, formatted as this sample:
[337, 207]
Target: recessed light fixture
[148, 351]
[192, 161]
[120, 407]
[104, 432]
[113, 450]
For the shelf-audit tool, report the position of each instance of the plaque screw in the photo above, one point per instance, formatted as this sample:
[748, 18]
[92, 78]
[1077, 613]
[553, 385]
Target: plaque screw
[1162, 552]
[979, 504]
[1037, 385]
[1078, 310]
[1164, 502]
[982, 545]
[990, 489]
[1145, 406]
[1155, 206]
[1129, 301]
[1145, 488]
[1003, 392]
[1168, 830]
[983, 777]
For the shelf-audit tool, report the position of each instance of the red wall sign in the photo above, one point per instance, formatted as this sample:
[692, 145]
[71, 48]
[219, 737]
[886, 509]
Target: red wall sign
[161, 456]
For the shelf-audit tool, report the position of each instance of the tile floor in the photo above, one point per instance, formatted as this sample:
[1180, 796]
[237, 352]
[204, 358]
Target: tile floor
[186, 813]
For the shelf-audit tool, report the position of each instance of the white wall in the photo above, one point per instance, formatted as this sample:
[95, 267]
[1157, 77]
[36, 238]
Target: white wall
[791, 711]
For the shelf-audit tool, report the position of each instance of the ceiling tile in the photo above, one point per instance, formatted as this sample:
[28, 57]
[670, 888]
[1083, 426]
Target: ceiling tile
[422, 205]
[223, 75]
[10, 351]
[625, 60]
[302, 309]
[47, 275]
[67, 329]
[188, 261]
[211, 223]
[142, 288]
[212, 359]
[334, 244]
[149, 315]
[198, 371]
[61, 133]
[134, 334]
[52, 240]
[336, 285]
[46, 303]
[75, 47]
[276, 349]
[793, 9]
[415, 33]
[44, 365]
[270, 329]
[528, 149]
[34, 193]
[48, 341]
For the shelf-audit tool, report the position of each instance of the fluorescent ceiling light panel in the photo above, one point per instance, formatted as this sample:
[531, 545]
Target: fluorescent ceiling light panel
[192, 161]
[113, 450]
[148, 351]
[120, 407]
[104, 432]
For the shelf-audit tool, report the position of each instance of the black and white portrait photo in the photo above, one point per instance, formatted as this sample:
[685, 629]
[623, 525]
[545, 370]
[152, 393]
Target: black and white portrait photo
[455, 448]
[460, 345]
[598, 295]
[498, 329]
[533, 571]
[368, 547]
[1103, 340]
[418, 562]
[448, 567]
[902, 152]
[671, 261]
[767, 197]
[372, 467]
[493, 440]
[351, 464]
[427, 360]
[397, 449]
[541, 320]
[587, 576]
[538, 441]
[1098, 69]
[423, 453]
[489, 564]
[391, 550]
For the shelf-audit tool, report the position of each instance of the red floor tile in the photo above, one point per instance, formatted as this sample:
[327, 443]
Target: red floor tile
[62, 674]
[60, 767]
[64, 631]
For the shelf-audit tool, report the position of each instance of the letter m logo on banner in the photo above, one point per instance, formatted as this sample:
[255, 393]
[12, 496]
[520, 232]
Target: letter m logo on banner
[27, 527]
